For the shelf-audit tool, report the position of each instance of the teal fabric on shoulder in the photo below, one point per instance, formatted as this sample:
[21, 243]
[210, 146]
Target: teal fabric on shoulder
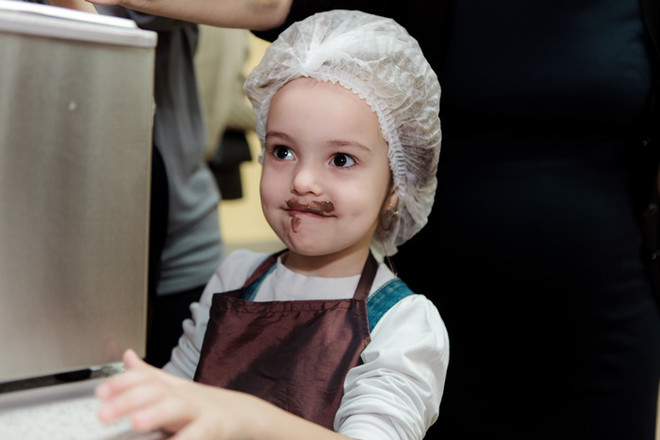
[251, 290]
[384, 298]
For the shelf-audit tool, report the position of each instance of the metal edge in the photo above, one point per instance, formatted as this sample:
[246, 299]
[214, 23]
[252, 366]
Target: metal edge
[52, 27]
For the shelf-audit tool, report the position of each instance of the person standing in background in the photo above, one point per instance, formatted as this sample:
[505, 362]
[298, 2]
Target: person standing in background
[220, 64]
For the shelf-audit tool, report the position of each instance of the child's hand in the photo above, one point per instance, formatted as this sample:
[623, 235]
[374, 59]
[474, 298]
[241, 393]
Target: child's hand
[154, 399]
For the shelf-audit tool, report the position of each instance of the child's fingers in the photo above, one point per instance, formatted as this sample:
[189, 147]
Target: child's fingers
[136, 391]
[138, 372]
[170, 414]
[120, 383]
[130, 400]
[132, 360]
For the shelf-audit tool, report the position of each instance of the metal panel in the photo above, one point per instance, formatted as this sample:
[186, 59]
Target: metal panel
[75, 151]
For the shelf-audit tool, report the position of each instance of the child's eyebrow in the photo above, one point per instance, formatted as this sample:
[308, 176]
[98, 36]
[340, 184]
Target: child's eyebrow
[343, 143]
[279, 134]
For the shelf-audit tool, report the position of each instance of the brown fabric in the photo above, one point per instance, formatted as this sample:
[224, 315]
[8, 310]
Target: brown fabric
[294, 354]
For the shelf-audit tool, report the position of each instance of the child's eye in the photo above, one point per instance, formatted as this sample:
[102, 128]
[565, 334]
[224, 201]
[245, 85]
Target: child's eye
[283, 153]
[343, 160]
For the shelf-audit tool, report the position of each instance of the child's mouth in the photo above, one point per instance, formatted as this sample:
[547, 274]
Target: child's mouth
[323, 209]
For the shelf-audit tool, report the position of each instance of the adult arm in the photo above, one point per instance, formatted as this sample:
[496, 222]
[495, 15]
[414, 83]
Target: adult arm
[79, 5]
[248, 14]
[143, 20]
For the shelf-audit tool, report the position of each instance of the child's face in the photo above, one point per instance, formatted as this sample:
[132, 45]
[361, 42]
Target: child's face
[326, 174]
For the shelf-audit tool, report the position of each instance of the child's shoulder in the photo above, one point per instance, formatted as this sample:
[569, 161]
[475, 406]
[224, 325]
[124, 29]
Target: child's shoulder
[238, 265]
[244, 256]
[398, 304]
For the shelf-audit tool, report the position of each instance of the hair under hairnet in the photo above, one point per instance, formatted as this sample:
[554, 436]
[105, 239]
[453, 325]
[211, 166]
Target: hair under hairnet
[379, 61]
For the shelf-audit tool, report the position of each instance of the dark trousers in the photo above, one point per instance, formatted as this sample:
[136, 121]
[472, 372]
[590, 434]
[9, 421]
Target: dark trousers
[166, 313]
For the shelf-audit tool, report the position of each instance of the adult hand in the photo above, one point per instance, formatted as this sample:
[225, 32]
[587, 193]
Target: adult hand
[154, 400]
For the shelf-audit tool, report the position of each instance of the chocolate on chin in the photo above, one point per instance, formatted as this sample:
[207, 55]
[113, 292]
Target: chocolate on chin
[295, 223]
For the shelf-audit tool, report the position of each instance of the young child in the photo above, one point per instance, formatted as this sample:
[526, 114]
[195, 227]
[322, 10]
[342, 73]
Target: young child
[321, 340]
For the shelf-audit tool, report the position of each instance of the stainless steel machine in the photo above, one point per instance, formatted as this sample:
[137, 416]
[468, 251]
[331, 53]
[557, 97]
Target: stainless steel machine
[76, 107]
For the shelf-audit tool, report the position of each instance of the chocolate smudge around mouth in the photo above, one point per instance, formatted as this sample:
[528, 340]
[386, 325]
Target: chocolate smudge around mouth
[323, 208]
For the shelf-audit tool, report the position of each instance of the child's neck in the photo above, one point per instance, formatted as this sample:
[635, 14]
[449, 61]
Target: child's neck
[327, 266]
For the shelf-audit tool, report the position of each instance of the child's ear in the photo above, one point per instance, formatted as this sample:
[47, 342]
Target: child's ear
[390, 211]
[392, 201]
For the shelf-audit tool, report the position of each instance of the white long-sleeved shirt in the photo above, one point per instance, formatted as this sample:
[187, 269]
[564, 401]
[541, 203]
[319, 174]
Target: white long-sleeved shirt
[394, 394]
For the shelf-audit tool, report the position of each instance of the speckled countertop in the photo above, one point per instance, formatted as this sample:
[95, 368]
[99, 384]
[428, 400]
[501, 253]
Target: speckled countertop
[44, 408]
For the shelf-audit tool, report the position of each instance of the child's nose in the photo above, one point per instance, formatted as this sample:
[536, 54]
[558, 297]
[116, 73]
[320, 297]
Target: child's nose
[307, 180]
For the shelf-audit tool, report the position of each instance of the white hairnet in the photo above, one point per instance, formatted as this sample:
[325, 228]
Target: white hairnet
[379, 61]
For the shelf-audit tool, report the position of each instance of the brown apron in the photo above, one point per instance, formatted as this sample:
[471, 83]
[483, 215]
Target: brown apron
[294, 354]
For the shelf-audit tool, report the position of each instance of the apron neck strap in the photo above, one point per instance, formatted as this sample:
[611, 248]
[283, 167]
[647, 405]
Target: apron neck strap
[263, 268]
[367, 278]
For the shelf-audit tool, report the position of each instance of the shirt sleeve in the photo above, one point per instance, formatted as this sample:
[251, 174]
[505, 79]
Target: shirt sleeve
[396, 392]
[231, 275]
